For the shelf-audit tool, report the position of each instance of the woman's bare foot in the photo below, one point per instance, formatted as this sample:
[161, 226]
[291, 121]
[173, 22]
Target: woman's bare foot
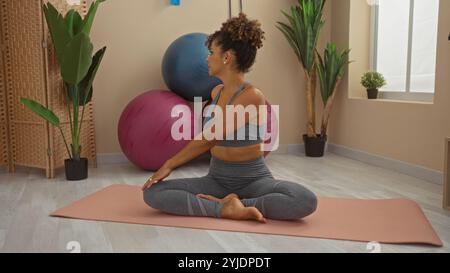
[234, 209]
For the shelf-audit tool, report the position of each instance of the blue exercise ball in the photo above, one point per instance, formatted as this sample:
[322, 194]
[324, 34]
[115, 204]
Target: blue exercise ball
[185, 69]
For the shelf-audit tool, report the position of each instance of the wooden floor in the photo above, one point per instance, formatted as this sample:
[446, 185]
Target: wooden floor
[26, 199]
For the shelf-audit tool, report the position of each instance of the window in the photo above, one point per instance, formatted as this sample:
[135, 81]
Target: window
[403, 47]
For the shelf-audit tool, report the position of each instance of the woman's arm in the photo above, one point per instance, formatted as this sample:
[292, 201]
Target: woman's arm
[191, 151]
[196, 147]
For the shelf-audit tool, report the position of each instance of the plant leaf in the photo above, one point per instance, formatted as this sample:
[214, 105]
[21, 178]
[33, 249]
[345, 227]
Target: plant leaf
[290, 37]
[41, 110]
[58, 30]
[302, 32]
[85, 86]
[330, 68]
[77, 23]
[76, 59]
[69, 21]
[74, 22]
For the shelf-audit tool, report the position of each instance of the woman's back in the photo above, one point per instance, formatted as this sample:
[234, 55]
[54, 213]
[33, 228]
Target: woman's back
[245, 142]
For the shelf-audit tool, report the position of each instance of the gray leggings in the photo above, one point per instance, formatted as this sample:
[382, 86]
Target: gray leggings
[251, 180]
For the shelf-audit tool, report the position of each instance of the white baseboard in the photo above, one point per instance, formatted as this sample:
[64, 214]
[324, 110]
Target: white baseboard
[290, 149]
[384, 162]
[420, 172]
[111, 158]
[114, 158]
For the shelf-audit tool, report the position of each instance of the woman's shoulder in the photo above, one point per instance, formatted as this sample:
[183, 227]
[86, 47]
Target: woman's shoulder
[252, 95]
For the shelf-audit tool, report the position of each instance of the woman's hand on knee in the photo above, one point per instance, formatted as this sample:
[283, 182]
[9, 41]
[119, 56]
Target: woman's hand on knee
[159, 175]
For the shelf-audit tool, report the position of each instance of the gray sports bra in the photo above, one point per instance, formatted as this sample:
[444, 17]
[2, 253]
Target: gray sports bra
[247, 135]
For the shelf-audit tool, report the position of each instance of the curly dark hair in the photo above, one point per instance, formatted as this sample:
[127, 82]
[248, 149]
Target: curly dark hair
[241, 35]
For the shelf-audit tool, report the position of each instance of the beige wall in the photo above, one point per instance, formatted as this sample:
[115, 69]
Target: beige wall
[410, 132]
[359, 42]
[137, 32]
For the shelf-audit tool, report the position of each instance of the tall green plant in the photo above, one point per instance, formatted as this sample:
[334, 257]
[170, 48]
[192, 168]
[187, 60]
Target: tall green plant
[302, 32]
[330, 69]
[71, 39]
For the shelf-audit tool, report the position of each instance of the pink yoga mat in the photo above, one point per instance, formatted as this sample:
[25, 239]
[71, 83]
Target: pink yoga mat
[383, 221]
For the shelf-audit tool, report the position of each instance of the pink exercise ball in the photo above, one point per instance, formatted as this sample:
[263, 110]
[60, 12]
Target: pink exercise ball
[145, 126]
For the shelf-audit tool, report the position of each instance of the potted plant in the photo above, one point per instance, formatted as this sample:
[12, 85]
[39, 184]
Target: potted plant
[372, 81]
[302, 32]
[330, 69]
[78, 67]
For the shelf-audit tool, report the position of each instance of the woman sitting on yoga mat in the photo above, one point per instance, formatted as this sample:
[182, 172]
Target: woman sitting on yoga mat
[238, 185]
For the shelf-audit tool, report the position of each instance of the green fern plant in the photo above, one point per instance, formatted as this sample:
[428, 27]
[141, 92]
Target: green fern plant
[330, 69]
[302, 32]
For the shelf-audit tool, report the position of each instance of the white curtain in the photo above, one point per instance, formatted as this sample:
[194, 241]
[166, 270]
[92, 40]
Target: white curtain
[392, 50]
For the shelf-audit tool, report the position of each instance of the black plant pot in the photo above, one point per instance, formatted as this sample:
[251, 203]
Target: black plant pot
[76, 169]
[372, 94]
[314, 146]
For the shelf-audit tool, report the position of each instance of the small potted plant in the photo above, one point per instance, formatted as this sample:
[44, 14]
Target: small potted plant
[78, 67]
[372, 81]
